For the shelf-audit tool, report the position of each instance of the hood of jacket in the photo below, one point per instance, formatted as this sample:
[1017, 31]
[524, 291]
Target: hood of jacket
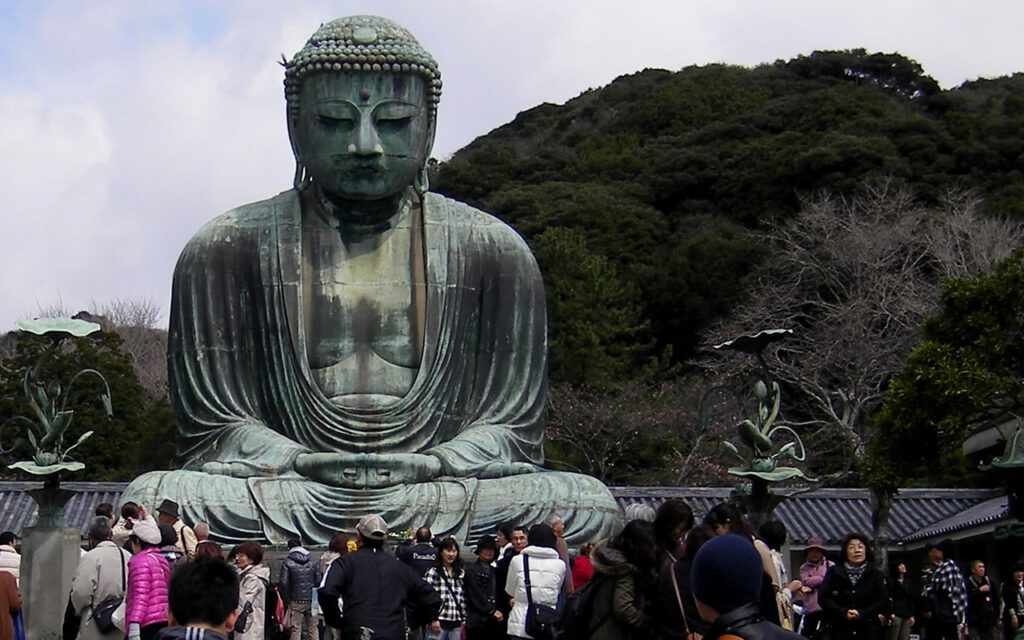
[541, 552]
[298, 555]
[610, 561]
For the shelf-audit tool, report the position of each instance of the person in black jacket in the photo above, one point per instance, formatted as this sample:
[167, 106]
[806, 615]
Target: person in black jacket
[854, 596]
[299, 576]
[726, 576]
[420, 555]
[901, 599]
[375, 589]
[483, 619]
[982, 605]
[1012, 596]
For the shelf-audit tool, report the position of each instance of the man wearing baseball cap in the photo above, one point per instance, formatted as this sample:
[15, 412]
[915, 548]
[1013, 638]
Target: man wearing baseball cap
[726, 582]
[375, 590]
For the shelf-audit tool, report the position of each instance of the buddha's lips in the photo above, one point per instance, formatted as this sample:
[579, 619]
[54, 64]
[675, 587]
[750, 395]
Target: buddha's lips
[354, 166]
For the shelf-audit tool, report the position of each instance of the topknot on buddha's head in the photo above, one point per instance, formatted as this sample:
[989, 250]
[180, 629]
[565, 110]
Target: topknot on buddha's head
[361, 43]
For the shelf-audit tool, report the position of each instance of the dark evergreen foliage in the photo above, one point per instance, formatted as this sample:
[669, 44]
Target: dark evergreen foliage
[138, 438]
[662, 172]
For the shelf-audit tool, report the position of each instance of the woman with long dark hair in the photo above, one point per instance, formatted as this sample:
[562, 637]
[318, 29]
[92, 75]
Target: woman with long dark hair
[901, 597]
[675, 611]
[626, 565]
[446, 577]
[853, 595]
[671, 522]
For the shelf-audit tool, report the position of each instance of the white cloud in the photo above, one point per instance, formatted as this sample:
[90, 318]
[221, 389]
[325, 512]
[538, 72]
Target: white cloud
[127, 125]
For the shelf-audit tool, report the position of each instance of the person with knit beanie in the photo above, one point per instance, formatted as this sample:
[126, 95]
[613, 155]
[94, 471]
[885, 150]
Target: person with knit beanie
[726, 583]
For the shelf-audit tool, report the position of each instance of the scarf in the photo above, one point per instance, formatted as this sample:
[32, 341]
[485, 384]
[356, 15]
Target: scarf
[855, 573]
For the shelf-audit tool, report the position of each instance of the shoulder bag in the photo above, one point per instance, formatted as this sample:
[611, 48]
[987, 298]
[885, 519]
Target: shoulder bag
[679, 600]
[103, 612]
[541, 620]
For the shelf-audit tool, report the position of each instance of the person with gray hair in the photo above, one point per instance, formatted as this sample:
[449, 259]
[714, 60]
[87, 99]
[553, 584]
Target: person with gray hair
[102, 573]
[562, 547]
[638, 511]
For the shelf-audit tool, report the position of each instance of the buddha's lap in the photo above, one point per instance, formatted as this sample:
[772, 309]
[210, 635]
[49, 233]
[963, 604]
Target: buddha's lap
[279, 508]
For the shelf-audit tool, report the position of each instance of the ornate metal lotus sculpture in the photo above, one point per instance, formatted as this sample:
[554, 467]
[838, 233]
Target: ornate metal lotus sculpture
[768, 443]
[48, 402]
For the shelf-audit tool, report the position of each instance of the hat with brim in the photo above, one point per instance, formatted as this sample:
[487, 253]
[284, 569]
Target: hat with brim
[372, 527]
[146, 530]
[168, 507]
[814, 543]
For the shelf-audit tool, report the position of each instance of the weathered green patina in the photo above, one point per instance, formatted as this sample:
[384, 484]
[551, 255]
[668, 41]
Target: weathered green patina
[357, 344]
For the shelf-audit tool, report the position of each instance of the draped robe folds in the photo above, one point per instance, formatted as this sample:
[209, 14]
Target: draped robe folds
[246, 403]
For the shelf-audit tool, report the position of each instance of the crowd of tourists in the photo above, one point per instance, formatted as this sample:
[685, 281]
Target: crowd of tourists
[663, 576]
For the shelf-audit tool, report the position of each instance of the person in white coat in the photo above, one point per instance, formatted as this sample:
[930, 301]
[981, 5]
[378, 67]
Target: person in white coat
[10, 559]
[547, 572]
[101, 573]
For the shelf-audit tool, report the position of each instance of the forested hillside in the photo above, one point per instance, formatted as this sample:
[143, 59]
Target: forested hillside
[661, 173]
[832, 194]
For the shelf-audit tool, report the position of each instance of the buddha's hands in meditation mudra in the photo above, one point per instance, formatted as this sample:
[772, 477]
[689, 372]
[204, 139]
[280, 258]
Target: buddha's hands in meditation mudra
[378, 470]
[255, 451]
[368, 470]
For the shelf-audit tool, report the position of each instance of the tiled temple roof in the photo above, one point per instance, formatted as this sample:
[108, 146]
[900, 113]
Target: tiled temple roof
[829, 514]
[917, 514]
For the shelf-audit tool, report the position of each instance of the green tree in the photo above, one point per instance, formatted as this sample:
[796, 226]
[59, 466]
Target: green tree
[116, 451]
[595, 329]
[967, 373]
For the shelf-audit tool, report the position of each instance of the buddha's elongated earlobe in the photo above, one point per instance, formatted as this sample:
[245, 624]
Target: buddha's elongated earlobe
[421, 183]
[301, 180]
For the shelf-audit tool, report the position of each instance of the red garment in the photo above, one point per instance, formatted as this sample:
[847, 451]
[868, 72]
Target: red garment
[582, 570]
[146, 597]
[10, 601]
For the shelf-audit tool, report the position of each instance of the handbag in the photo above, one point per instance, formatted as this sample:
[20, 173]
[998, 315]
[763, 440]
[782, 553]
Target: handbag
[541, 620]
[242, 621]
[103, 613]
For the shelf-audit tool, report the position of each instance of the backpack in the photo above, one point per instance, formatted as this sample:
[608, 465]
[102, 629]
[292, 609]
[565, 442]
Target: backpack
[273, 614]
[575, 621]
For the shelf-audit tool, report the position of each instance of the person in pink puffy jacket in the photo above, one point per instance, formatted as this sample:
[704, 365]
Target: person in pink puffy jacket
[148, 573]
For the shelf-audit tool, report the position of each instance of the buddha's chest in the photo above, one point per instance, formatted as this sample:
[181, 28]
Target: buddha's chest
[361, 312]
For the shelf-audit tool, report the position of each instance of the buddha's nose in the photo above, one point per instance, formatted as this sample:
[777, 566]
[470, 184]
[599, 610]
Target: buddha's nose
[366, 142]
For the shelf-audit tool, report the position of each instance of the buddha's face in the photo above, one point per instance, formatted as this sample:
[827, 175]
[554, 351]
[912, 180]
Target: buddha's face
[363, 136]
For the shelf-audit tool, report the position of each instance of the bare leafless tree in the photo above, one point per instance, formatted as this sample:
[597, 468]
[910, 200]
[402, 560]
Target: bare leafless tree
[855, 278]
[136, 322]
[637, 432]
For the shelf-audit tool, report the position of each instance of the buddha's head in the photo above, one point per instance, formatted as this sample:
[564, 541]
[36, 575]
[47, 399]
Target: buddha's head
[362, 105]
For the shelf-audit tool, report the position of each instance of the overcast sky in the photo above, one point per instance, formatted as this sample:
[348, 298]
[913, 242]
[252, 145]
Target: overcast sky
[126, 125]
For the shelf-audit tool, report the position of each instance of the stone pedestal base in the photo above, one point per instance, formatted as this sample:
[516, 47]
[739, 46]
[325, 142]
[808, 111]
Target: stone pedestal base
[50, 557]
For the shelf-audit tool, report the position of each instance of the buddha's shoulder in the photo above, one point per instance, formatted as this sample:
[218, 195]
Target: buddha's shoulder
[464, 217]
[247, 219]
